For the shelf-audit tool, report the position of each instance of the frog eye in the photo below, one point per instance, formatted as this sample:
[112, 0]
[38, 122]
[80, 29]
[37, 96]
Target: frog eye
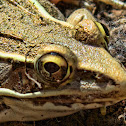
[53, 68]
[107, 34]
[104, 30]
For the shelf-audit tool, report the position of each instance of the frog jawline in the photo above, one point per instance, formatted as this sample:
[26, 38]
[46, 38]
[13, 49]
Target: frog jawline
[31, 103]
[64, 92]
[33, 112]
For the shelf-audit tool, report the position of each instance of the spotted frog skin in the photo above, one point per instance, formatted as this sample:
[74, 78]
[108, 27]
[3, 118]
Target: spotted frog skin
[47, 71]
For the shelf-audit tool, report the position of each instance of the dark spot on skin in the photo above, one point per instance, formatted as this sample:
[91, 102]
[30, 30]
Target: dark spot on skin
[68, 84]
[11, 37]
[3, 107]
[20, 76]
[1, 2]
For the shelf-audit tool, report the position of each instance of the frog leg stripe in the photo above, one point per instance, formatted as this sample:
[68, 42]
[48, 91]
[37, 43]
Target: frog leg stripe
[46, 15]
[66, 92]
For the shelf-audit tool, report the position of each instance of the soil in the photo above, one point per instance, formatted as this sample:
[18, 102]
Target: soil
[115, 20]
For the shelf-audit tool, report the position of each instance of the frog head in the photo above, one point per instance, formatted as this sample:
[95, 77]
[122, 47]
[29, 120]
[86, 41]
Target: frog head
[49, 73]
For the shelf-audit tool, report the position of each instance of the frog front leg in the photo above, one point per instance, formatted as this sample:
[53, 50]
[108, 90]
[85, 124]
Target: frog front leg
[42, 12]
[47, 16]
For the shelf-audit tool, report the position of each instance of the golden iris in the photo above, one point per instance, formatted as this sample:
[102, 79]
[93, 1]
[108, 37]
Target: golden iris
[53, 68]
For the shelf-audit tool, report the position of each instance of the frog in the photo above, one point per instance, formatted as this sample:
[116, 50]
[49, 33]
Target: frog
[47, 71]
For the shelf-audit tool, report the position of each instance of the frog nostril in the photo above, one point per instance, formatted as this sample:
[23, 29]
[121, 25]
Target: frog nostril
[51, 67]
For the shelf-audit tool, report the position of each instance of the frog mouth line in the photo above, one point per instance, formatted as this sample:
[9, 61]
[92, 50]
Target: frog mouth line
[58, 93]
[65, 98]
[84, 98]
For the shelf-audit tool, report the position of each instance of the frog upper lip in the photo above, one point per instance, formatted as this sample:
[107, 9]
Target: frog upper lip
[73, 96]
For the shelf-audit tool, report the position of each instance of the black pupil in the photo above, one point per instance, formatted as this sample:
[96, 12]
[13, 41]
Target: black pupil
[51, 67]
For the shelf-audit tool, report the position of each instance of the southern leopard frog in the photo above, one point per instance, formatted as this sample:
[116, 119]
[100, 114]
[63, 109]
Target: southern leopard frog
[51, 68]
